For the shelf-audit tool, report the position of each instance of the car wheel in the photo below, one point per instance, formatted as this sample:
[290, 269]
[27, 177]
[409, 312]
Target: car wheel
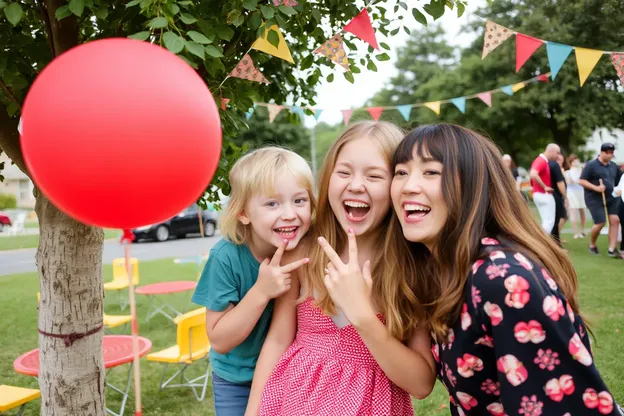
[162, 233]
[209, 229]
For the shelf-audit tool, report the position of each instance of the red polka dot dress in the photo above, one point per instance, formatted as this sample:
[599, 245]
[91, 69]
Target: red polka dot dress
[328, 371]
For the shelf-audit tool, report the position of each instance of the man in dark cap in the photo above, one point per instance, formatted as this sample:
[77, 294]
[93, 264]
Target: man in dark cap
[599, 178]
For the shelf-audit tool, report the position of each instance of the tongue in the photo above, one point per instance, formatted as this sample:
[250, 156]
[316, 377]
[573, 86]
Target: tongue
[417, 214]
[358, 212]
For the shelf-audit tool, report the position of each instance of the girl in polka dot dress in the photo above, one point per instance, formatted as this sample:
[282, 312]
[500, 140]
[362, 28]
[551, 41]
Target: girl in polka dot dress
[342, 342]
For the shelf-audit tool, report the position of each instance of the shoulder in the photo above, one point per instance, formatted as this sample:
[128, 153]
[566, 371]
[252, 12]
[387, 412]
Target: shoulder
[225, 251]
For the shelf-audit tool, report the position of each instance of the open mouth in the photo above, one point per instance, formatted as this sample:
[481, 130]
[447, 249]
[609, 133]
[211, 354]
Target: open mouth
[356, 210]
[287, 232]
[415, 212]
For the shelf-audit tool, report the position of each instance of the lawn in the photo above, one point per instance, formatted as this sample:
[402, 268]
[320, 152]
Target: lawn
[32, 240]
[601, 287]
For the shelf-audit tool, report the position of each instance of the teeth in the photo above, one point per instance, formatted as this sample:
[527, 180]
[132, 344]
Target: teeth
[415, 207]
[356, 204]
[286, 229]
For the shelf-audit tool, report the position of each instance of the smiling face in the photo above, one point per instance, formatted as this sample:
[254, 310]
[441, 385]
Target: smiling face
[359, 187]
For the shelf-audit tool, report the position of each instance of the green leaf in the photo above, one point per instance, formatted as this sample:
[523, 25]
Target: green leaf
[207, 29]
[14, 13]
[330, 78]
[371, 65]
[225, 32]
[273, 38]
[250, 4]
[395, 31]
[355, 69]
[62, 12]
[158, 22]
[173, 42]
[198, 37]
[349, 77]
[132, 3]
[420, 18]
[435, 8]
[140, 35]
[307, 62]
[191, 63]
[382, 57]
[238, 21]
[12, 109]
[255, 20]
[316, 15]
[461, 7]
[403, 4]
[187, 18]
[287, 10]
[76, 7]
[101, 13]
[267, 12]
[213, 51]
[175, 9]
[384, 45]
[196, 49]
[2, 5]
[407, 30]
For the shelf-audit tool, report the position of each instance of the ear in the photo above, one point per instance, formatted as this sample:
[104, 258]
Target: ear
[243, 219]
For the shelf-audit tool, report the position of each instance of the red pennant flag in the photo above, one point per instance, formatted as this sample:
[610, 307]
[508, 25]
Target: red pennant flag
[224, 103]
[361, 27]
[543, 78]
[375, 112]
[618, 63]
[525, 46]
[486, 97]
[346, 115]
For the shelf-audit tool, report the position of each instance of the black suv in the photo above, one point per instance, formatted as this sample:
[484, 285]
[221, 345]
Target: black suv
[186, 222]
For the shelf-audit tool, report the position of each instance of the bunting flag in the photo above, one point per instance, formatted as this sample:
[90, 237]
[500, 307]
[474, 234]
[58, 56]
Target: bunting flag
[557, 54]
[249, 113]
[586, 60]
[517, 87]
[317, 112]
[281, 51]
[246, 69]
[361, 27]
[333, 49]
[298, 110]
[508, 89]
[405, 110]
[460, 103]
[433, 106]
[525, 47]
[543, 78]
[618, 63]
[346, 115]
[274, 110]
[291, 3]
[486, 97]
[375, 112]
[224, 103]
[494, 35]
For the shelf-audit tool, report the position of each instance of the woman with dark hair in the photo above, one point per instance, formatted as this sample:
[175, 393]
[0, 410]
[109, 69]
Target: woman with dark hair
[500, 295]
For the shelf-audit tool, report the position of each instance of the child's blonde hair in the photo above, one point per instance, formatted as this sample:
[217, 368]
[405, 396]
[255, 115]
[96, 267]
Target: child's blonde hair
[258, 172]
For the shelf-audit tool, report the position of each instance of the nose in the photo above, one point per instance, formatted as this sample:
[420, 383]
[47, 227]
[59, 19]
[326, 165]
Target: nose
[412, 185]
[288, 213]
[356, 184]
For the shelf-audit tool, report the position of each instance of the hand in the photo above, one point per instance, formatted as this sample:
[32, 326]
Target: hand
[349, 287]
[273, 279]
[548, 189]
[601, 188]
[618, 192]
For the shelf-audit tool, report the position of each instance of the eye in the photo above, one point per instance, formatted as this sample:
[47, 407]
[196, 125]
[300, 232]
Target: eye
[271, 204]
[432, 172]
[342, 173]
[299, 201]
[400, 172]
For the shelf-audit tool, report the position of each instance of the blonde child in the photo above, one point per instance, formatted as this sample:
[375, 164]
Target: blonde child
[351, 345]
[269, 211]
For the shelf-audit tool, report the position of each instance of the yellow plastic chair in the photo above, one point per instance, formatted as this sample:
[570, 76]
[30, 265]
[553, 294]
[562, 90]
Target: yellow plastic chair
[120, 278]
[12, 397]
[192, 345]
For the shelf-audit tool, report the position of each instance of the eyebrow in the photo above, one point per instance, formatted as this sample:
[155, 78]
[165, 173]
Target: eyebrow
[374, 167]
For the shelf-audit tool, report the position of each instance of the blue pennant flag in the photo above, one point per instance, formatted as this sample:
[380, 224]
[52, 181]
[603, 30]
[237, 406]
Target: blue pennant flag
[460, 103]
[298, 110]
[249, 113]
[405, 110]
[557, 54]
[317, 113]
[507, 89]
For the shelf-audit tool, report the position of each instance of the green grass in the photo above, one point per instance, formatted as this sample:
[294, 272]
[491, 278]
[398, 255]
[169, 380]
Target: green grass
[32, 240]
[601, 287]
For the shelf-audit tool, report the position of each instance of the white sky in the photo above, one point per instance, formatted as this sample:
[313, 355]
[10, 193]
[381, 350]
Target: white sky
[341, 94]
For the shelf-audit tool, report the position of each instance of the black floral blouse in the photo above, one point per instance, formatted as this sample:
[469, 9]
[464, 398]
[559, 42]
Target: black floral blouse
[518, 349]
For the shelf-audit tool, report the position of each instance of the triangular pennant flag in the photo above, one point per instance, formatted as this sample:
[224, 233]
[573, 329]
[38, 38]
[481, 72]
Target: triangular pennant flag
[246, 69]
[517, 87]
[249, 113]
[405, 110]
[433, 106]
[224, 103]
[361, 27]
[618, 63]
[274, 110]
[460, 103]
[375, 112]
[493, 36]
[586, 60]
[291, 3]
[346, 115]
[333, 48]
[281, 51]
[557, 54]
[508, 89]
[486, 97]
[299, 111]
[525, 46]
[542, 78]
[317, 113]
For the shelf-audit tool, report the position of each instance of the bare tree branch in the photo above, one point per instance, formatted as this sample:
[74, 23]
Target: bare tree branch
[48, 26]
[10, 95]
[9, 140]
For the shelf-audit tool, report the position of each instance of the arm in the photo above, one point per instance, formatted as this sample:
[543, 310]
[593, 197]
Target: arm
[562, 189]
[589, 186]
[534, 174]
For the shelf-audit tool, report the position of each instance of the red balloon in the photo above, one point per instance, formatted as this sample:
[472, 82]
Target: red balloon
[120, 133]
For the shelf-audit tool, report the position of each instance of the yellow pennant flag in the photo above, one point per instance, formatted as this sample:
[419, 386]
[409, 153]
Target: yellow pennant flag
[586, 60]
[517, 87]
[434, 106]
[281, 51]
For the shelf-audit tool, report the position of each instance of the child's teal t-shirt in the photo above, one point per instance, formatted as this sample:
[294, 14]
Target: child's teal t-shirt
[229, 274]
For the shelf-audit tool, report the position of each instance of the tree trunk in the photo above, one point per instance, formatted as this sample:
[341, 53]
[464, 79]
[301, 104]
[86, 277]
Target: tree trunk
[69, 260]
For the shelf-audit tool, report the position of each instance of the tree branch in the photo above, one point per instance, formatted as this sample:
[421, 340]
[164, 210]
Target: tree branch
[10, 95]
[48, 26]
[63, 33]
[9, 139]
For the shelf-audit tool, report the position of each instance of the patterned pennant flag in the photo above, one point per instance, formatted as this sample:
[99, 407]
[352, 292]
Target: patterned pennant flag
[433, 106]
[460, 103]
[333, 48]
[517, 87]
[291, 3]
[361, 27]
[224, 103]
[525, 47]
[508, 89]
[246, 69]
[281, 51]
[299, 111]
[486, 97]
[493, 36]
[274, 110]
[375, 112]
[586, 60]
[405, 111]
[557, 54]
[346, 115]
[618, 63]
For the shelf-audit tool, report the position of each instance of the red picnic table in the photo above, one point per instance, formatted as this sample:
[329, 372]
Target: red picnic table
[157, 306]
[117, 350]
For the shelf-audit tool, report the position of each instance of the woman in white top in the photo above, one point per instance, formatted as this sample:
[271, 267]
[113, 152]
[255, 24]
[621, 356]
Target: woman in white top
[575, 196]
[618, 191]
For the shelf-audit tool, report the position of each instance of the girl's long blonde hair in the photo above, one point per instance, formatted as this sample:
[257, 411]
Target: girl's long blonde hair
[392, 267]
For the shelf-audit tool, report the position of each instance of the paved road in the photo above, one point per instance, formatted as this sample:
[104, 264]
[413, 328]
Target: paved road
[22, 261]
